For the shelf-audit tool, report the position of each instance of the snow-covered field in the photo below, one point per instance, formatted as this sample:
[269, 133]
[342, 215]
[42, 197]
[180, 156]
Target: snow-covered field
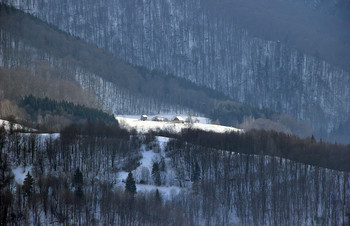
[134, 122]
[7, 125]
[200, 119]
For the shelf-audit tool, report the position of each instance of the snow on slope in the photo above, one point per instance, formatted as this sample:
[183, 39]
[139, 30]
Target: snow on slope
[134, 122]
[7, 125]
[20, 173]
[168, 189]
[200, 119]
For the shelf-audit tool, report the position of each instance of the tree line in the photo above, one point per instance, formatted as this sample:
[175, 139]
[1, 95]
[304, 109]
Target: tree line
[36, 106]
[272, 143]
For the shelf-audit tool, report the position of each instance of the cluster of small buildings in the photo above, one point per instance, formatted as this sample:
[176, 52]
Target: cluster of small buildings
[176, 119]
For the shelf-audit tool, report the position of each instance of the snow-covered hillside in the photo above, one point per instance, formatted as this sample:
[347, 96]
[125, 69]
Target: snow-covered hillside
[131, 122]
[14, 126]
[201, 185]
[143, 173]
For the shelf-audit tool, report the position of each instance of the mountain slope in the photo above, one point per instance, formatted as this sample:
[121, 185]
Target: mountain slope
[274, 54]
[46, 62]
[79, 178]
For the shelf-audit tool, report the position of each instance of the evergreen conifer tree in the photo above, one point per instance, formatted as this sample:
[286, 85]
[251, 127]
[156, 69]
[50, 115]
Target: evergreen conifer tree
[196, 173]
[313, 140]
[130, 184]
[158, 197]
[28, 185]
[78, 178]
[79, 193]
[156, 173]
[6, 175]
[162, 164]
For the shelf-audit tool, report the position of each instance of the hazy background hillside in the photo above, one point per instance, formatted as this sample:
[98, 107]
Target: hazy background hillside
[289, 56]
[37, 59]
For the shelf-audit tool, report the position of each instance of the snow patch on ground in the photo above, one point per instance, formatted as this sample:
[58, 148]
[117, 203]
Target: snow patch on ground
[167, 189]
[20, 173]
[162, 141]
[200, 119]
[48, 135]
[147, 158]
[133, 122]
[7, 125]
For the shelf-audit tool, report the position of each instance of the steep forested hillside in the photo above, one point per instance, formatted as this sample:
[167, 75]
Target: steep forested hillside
[255, 64]
[53, 116]
[39, 60]
[42, 80]
[80, 177]
[338, 8]
[281, 55]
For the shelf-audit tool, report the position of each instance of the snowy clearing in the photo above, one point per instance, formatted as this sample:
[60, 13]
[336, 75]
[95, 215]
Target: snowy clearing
[167, 189]
[134, 122]
[20, 173]
[200, 119]
[7, 125]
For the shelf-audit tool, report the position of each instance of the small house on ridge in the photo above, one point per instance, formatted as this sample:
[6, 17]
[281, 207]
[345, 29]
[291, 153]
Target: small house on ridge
[178, 119]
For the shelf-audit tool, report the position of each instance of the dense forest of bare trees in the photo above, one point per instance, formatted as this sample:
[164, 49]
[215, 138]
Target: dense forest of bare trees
[49, 66]
[74, 178]
[338, 8]
[273, 54]
[190, 56]
[307, 150]
[27, 70]
[261, 189]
